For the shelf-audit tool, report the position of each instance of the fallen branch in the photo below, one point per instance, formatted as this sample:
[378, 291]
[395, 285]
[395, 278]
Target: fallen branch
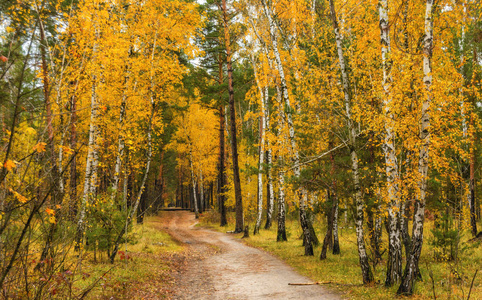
[312, 283]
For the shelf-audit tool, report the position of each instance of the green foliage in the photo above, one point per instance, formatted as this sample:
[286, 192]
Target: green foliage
[446, 239]
[107, 222]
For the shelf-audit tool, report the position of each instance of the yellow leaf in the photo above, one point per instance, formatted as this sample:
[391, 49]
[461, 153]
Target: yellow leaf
[52, 219]
[67, 150]
[40, 147]
[18, 196]
[9, 165]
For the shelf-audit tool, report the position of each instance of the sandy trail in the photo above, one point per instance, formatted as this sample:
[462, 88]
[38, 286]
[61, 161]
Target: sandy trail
[222, 267]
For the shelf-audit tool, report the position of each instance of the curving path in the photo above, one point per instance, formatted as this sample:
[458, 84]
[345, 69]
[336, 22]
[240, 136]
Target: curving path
[222, 267]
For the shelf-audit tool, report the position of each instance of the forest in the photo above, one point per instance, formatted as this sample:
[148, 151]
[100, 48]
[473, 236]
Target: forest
[350, 128]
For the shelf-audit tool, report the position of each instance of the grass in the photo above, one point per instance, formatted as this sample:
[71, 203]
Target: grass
[343, 270]
[140, 272]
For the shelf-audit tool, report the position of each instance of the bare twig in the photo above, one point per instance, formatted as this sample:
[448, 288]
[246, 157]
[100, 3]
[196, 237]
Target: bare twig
[89, 288]
[433, 284]
[472, 284]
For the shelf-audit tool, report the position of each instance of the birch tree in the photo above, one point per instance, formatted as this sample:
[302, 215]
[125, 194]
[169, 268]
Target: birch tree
[301, 192]
[362, 253]
[394, 263]
[261, 151]
[411, 268]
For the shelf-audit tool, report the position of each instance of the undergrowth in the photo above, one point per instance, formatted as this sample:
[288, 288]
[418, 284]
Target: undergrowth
[141, 266]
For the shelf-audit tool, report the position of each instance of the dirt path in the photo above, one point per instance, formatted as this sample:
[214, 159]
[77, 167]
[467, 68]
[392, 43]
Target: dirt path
[221, 267]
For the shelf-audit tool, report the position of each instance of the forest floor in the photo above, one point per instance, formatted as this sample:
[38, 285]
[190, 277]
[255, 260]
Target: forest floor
[447, 279]
[172, 256]
[220, 266]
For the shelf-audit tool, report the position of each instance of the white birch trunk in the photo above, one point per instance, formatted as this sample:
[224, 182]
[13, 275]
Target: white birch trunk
[262, 135]
[394, 264]
[121, 140]
[193, 180]
[363, 258]
[120, 145]
[411, 269]
[270, 199]
[148, 165]
[292, 137]
[90, 179]
[149, 136]
[267, 121]
[281, 235]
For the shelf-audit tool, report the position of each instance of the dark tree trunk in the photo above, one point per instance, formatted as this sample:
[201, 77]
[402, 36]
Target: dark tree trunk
[211, 193]
[181, 191]
[221, 172]
[307, 234]
[473, 213]
[73, 164]
[269, 192]
[330, 213]
[234, 144]
[336, 242]
[56, 194]
[374, 235]
[407, 243]
[142, 206]
[159, 186]
[281, 235]
[191, 198]
[313, 238]
[200, 199]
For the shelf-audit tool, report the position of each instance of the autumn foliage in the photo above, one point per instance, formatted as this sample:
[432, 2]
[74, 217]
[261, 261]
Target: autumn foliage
[112, 110]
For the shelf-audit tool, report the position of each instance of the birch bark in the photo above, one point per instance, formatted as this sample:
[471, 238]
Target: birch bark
[201, 190]
[267, 122]
[262, 136]
[281, 235]
[410, 273]
[269, 158]
[194, 183]
[305, 223]
[120, 141]
[394, 263]
[90, 180]
[362, 254]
